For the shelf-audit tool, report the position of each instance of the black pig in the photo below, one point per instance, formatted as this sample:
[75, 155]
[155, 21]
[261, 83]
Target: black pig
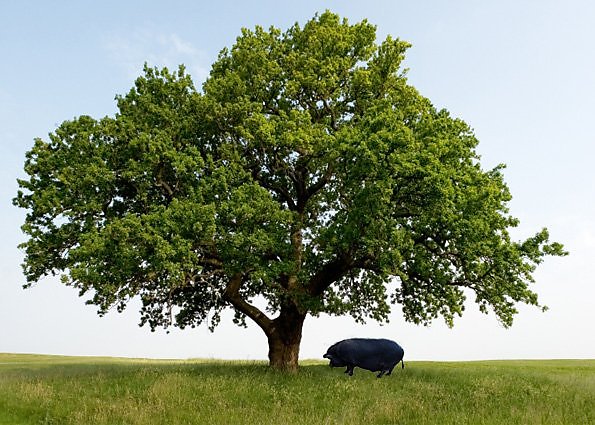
[376, 355]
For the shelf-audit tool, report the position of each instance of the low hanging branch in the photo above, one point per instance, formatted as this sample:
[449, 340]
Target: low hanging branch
[232, 295]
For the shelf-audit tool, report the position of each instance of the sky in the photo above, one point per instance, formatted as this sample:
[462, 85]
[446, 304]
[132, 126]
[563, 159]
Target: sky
[520, 73]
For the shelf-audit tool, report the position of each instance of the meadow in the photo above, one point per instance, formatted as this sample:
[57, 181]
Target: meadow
[37, 389]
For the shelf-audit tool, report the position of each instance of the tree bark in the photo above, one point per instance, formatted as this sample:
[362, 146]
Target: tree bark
[285, 337]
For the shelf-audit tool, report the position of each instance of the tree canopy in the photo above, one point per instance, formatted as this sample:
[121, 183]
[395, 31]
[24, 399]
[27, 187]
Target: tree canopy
[307, 171]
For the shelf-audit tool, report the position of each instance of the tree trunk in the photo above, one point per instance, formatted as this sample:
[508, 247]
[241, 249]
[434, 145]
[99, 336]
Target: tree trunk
[284, 339]
[284, 332]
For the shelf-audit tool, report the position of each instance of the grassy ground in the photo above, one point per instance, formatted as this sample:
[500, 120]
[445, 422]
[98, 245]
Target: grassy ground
[69, 390]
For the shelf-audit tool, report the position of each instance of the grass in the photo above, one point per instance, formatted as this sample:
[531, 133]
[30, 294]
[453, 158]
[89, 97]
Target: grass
[73, 390]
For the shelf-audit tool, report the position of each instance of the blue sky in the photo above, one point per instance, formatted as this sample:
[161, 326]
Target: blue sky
[520, 73]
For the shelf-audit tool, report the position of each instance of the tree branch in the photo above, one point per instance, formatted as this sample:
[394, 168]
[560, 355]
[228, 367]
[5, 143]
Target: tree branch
[160, 182]
[215, 263]
[283, 194]
[328, 274]
[232, 295]
[316, 187]
[331, 113]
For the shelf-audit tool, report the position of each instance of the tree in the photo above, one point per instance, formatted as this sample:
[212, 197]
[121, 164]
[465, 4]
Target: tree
[307, 172]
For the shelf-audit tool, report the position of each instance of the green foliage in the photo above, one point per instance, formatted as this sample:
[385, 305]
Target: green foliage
[307, 171]
[56, 390]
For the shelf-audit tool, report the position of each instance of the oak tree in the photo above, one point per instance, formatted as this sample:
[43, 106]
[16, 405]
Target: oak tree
[307, 173]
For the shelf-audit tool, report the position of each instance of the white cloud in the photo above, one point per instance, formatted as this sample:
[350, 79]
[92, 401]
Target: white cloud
[130, 51]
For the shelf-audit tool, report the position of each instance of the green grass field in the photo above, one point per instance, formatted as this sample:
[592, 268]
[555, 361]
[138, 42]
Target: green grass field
[73, 390]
